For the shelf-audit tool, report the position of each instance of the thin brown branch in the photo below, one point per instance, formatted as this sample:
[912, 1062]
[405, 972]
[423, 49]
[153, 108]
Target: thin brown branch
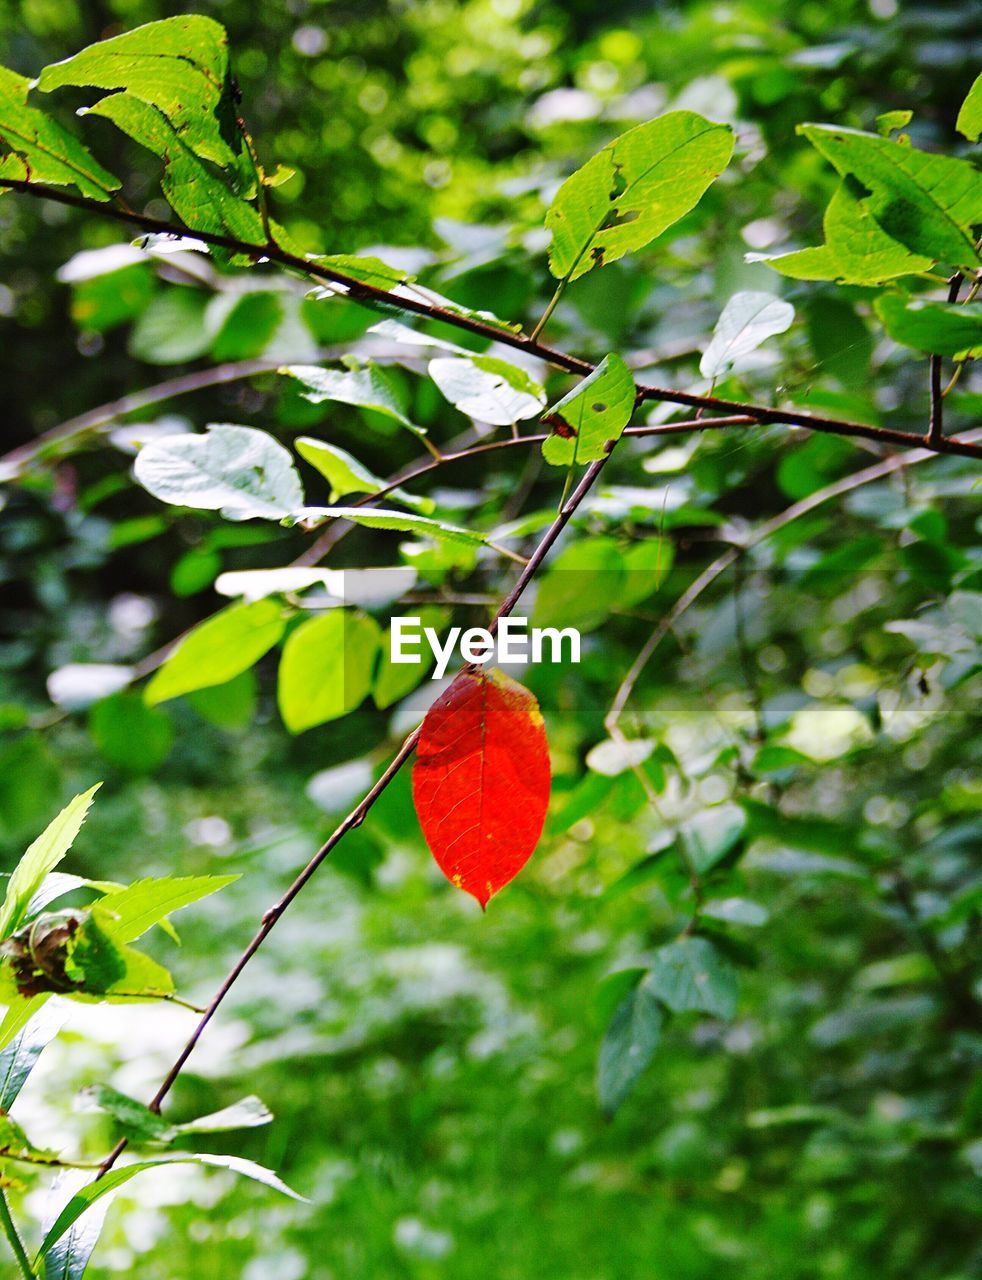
[719, 566]
[359, 812]
[473, 324]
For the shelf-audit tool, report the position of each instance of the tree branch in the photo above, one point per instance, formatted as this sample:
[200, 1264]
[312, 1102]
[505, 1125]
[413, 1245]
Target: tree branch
[372, 295]
[357, 815]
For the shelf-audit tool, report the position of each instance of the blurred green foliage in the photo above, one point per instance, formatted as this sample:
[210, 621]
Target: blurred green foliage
[433, 1073]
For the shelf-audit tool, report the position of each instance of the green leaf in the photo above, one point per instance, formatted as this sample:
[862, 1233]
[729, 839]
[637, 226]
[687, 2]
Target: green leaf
[145, 903]
[346, 475]
[582, 585]
[18, 1059]
[15, 1144]
[18, 1015]
[487, 389]
[691, 973]
[892, 122]
[713, 834]
[927, 202]
[240, 471]
[633, 190]
[593, 415]
[327, 668]
[969, 122]
[940, 328]
[140, 1123]
[245, 325]
[43, 856]
[248, 1113]
[115, 1178]
[379, 518]
[224, 646]
[746, 321]
[736, 911]
[646, 565]
[364, 269]
[37, 149]
[368, 388]
[628, 1045]
[129, 734]
[201, 197]
[69, 1257]
[172, 328]
[179, 66]
[856, 251]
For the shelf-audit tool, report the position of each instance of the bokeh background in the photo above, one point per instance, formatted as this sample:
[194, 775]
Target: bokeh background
[432, 1071]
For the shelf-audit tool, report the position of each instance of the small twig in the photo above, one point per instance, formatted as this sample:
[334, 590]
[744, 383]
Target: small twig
[374, 296]
[357, 815]
[936, 420]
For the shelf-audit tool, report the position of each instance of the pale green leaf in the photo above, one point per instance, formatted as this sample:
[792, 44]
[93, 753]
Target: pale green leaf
[368, 388]
[69, 1256]
[747, 320]
[36, 148]
[736, 911]
[940, 328]
[969, 122]
[240, 471]
[327, 668]
[691, 973]
[224, 646]
[179, 66]
[18, 1015]
[927, 202]
[115, 1178]
[363, 269]
[43, 856]
[588, 420]
[346, 475]
[628, 1045]
[248, 1113]
[634, 189]
[487, 389]
[145, 903]
[379, 518]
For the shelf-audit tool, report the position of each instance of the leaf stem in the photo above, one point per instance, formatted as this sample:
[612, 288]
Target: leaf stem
[550, 308]
[13, 1237]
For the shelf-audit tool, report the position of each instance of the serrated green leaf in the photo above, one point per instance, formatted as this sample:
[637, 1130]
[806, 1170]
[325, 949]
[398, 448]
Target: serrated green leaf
[43, 856]
[201, 197]
[327, 668]
[37, 149]
[487, 389]
[634, 189]
[115, 1178]
[179, 66]
[242, 472]
[692, 973]
[940, 328]
[346, 475]
[927, 202]
[145, 903]
[368, 388]
[628, 1045]
[224, 646]
[969, 122]
[378, 518]
[747, 320]
[593, 415]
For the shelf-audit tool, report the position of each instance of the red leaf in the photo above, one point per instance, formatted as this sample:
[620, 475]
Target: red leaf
[481, 781]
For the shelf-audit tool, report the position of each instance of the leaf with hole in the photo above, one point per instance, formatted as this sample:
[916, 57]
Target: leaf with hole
[634, 189]
[587, 421]
[481, 781]
[35, 148]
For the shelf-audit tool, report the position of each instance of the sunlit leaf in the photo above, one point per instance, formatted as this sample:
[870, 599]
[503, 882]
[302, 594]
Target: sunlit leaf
[634, 189]
[327, 668]
[969, 122]
[379, 518]
[747, 320]
[487, 389]
[586, 422]
[369, 388]
[224, 646]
